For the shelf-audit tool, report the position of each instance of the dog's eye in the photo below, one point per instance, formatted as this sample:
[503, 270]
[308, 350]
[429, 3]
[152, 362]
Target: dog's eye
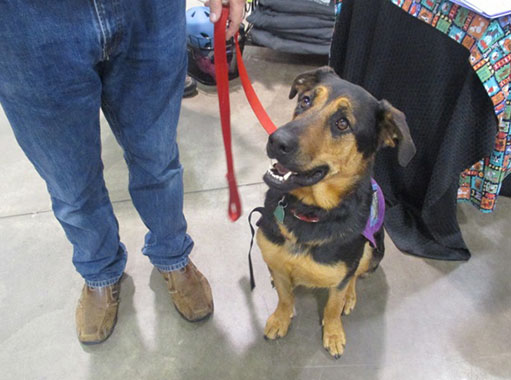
[305, 101]
[342, 124]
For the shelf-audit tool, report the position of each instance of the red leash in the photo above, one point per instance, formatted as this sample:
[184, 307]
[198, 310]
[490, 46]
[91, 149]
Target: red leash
[252, 98]
[222, 83]
[222, 80]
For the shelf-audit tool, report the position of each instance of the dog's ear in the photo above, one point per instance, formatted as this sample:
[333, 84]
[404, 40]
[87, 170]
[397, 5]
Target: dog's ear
[308, 80]
[394, 131]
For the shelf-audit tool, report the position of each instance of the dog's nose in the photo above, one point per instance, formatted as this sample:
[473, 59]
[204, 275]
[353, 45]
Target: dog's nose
[282, 142]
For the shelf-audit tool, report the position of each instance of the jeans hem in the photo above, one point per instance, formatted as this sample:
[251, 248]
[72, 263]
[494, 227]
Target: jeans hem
[172, 267]
[103, 283]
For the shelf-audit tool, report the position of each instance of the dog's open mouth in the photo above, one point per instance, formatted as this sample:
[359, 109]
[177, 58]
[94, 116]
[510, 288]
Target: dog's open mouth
[280, 177]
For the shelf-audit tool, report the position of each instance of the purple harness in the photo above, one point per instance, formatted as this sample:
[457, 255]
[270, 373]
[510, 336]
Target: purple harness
[377, 214]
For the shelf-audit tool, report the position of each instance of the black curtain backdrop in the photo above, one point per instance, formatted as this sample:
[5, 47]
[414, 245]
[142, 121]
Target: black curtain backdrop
[427, 75]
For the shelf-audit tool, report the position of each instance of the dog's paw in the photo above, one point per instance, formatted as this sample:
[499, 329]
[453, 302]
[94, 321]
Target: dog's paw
[334, 339]
[276, 326]
[349, 303]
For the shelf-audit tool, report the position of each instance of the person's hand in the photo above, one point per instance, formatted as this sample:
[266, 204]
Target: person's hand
[236, 10]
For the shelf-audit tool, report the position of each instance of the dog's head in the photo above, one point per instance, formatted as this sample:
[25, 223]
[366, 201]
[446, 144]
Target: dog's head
[336, 130]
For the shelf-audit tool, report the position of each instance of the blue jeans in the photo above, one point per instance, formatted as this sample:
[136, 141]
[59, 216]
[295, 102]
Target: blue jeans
[60, 62]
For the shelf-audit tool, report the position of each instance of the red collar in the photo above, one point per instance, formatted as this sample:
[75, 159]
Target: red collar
[305, 218]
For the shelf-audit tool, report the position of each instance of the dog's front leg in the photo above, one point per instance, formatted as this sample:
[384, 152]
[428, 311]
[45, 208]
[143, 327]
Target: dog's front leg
[351, 296]
[278, 323]
[334, 338]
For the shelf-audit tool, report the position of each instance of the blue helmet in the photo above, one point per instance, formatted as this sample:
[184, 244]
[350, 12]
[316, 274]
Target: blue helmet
[199, 29]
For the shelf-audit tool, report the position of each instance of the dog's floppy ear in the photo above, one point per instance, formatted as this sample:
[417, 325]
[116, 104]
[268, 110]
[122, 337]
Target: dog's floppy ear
[394, 131]
[308, 80]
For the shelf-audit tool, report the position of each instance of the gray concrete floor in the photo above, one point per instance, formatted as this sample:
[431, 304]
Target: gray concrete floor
[415, 319]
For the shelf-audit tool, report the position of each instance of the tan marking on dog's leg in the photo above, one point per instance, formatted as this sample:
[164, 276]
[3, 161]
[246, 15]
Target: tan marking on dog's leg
[278, 323]
[334, 338]
[363, 267]
[351, 296]
[365, 261]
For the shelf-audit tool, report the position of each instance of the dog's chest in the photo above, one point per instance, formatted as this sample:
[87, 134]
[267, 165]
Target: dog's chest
[298, 265]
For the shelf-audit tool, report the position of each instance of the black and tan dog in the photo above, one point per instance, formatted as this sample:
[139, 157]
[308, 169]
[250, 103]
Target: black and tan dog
[320, 196]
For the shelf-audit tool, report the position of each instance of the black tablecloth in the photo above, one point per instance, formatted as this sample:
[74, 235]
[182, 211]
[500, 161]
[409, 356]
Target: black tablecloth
[425, 74]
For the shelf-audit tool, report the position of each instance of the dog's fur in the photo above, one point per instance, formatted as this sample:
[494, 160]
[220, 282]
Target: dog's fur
[329, 146]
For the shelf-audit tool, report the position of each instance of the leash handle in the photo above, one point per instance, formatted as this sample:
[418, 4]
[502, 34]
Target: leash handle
[222, 80]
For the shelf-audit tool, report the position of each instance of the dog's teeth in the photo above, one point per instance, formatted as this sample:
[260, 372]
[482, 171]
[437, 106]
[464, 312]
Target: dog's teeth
[275, 176]
[287, 175]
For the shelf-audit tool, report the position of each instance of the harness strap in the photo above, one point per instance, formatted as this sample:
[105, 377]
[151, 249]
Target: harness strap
[377, 214]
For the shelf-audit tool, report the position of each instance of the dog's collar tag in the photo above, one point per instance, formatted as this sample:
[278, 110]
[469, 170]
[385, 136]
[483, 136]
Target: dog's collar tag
[280, 212]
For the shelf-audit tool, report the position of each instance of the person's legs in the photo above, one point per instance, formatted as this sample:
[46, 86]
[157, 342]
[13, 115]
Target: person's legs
[50, 91]
[143, 83]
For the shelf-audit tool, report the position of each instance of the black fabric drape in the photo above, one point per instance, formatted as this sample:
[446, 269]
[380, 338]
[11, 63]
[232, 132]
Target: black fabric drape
[506, 187]
[427, 75]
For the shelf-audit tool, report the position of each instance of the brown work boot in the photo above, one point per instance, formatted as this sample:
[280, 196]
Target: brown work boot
[190, 292]
[96, 313]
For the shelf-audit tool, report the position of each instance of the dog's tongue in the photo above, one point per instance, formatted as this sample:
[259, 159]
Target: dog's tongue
[281, 169]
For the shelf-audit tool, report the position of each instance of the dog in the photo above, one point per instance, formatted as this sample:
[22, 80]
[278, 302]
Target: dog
[320, 196]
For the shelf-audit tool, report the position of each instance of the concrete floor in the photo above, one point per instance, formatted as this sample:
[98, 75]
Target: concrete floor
[416, 319]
